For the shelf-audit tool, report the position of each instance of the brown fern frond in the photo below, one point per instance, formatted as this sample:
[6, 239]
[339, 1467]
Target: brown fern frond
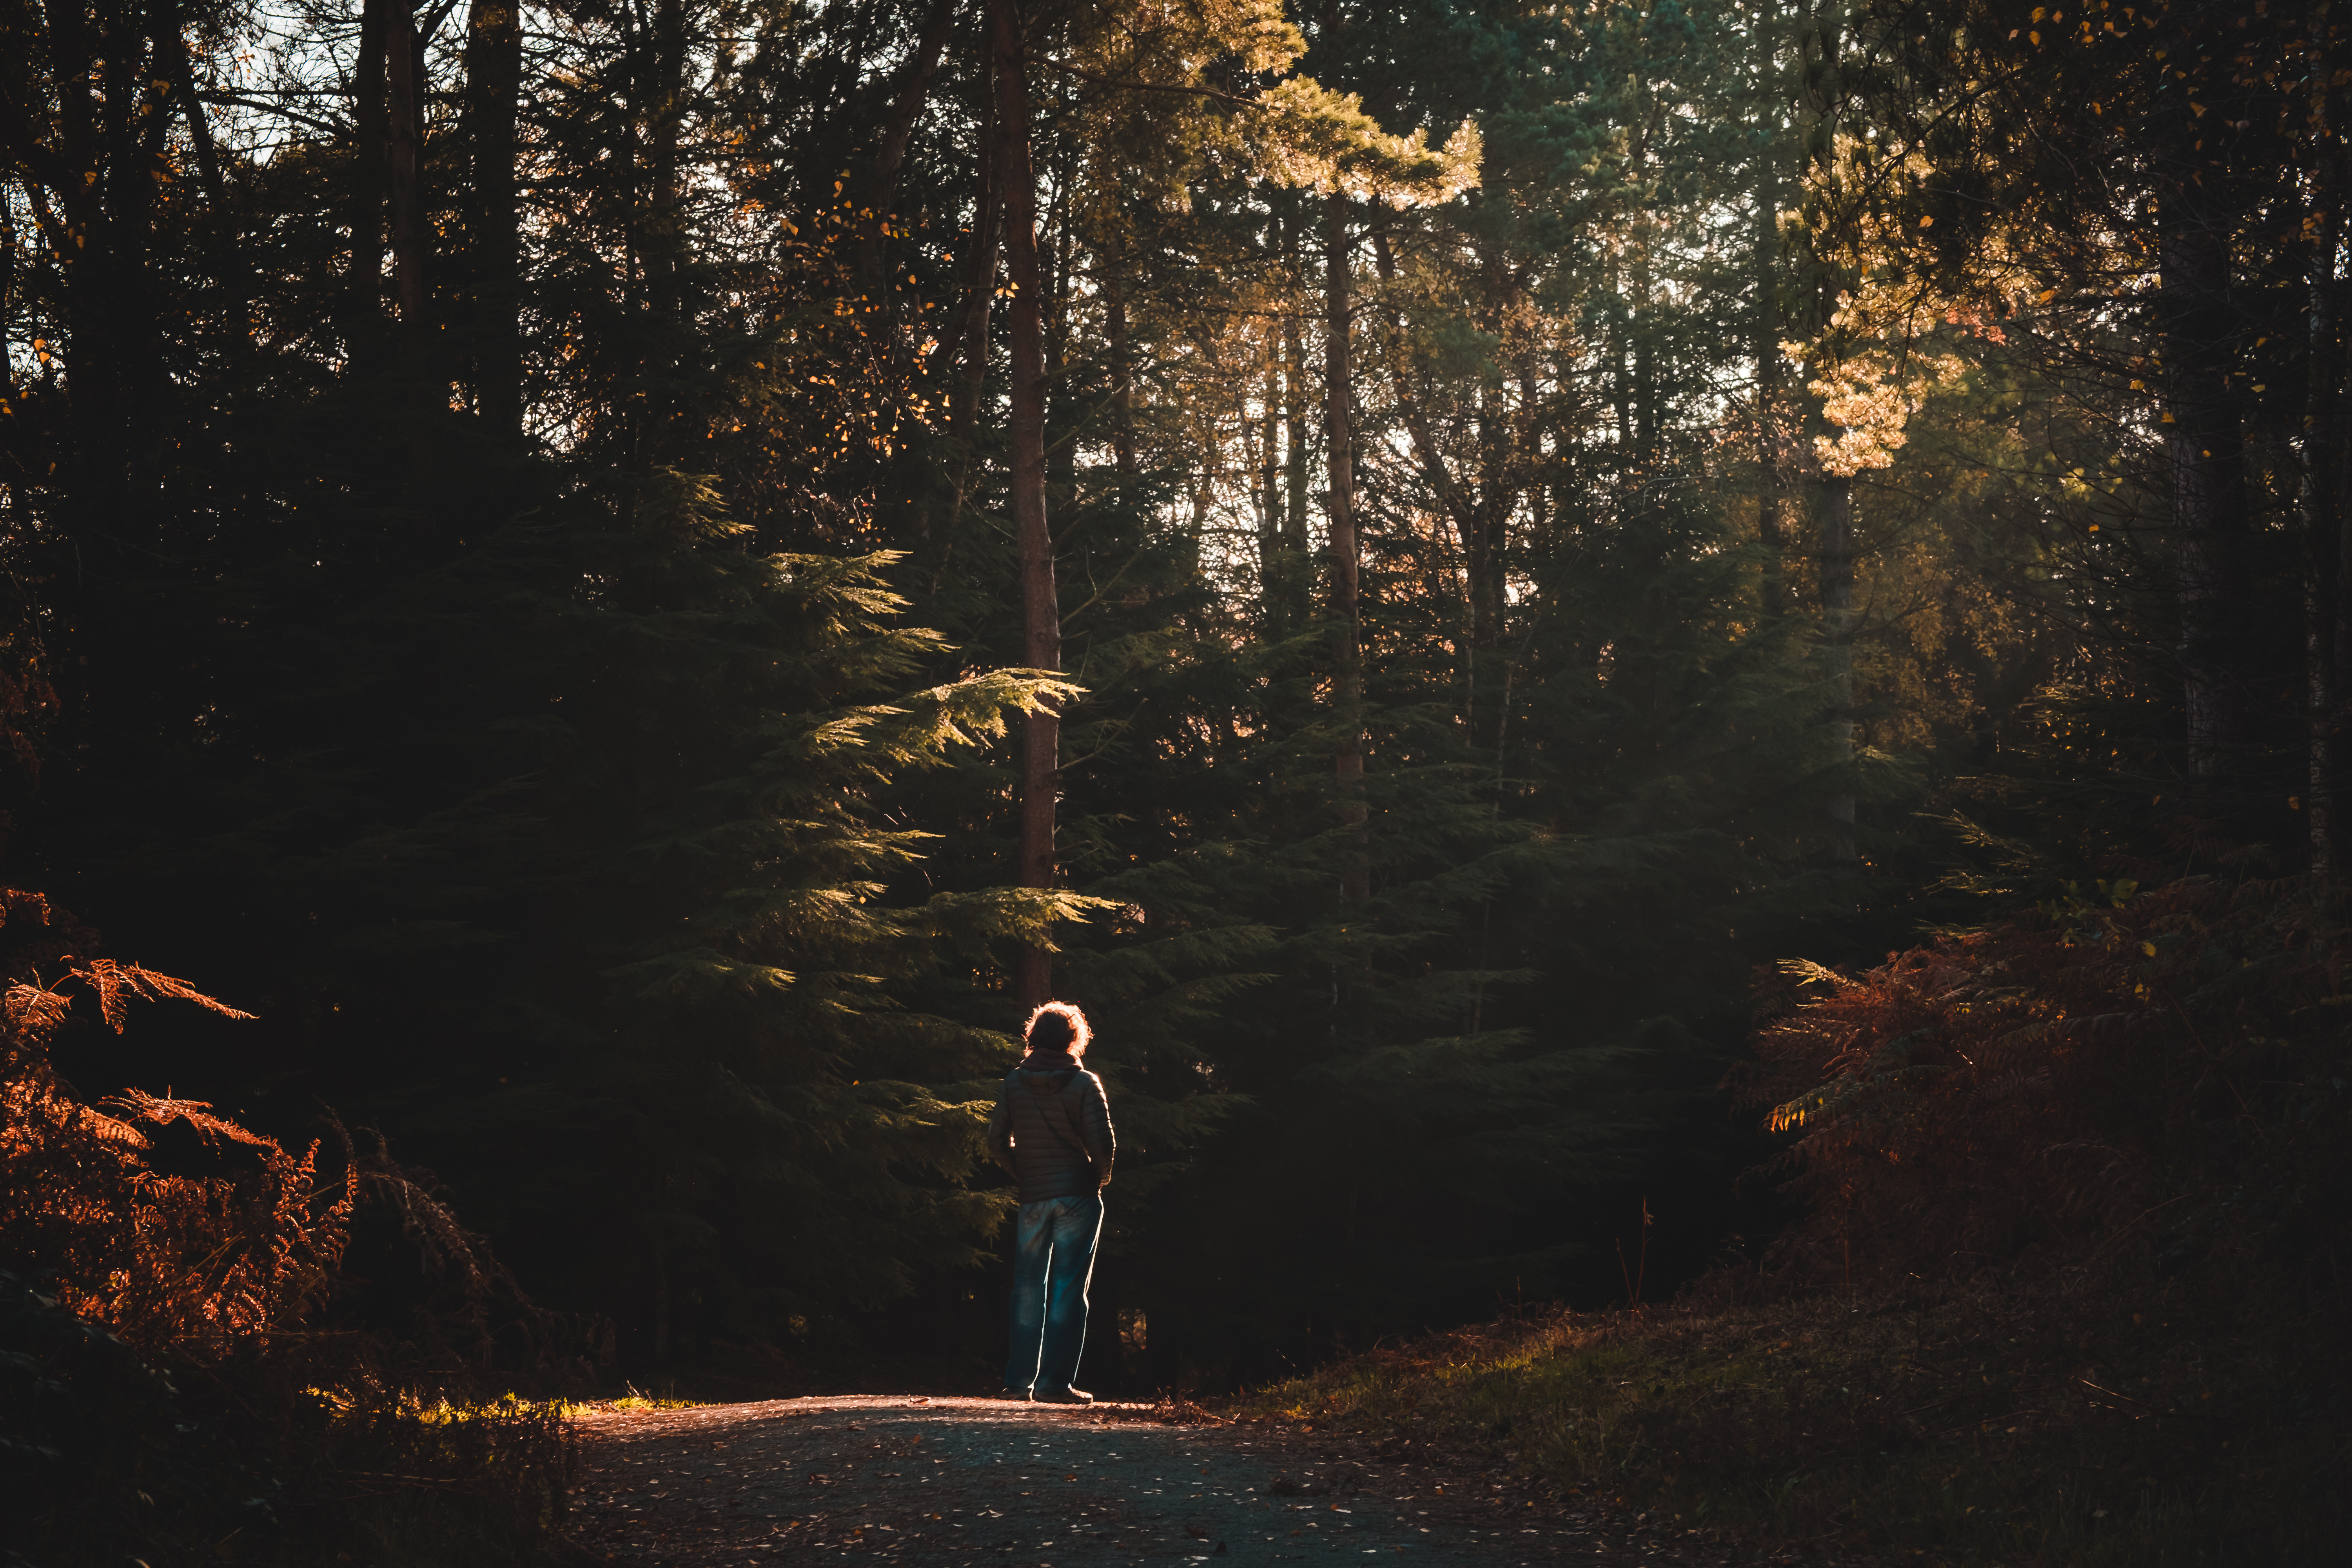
[114, 983]
[197, 1113]
[34, 1011]
[2031, 1088]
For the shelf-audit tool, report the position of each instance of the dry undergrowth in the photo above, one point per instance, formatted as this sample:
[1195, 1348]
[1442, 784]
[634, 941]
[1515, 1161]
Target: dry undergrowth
[2068, 1288]
[1987, 1427]
[175, 1383]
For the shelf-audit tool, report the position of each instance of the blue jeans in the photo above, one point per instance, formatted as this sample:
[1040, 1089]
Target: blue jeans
[1053, 1259]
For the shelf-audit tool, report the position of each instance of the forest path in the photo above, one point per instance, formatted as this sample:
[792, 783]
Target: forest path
[909, 1480]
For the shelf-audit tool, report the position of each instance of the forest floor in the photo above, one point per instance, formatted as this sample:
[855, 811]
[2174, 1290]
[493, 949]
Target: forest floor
[913, 1479]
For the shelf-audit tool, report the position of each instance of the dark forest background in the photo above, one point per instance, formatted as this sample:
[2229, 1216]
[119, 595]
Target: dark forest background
[520, 536]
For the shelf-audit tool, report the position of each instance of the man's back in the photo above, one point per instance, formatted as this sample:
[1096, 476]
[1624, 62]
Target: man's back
[1051, 1129]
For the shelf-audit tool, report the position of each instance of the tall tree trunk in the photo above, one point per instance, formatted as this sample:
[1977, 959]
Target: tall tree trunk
[1647, 422]
[1273, 570]
[1470, 513]
[1063, 408]
[890, 153]
[96, 276]
[1833, 531]
[173, 53]
[2206, 446]
[1340, 448]
[1122, 384]
[1486, 550]
[1765, 345]
[2321, 496]
[371, 169]
[404, 148]
[665, 237]
[1294, 548]
[1832, 494]
[493, 90]
[136, 103]
[1041, 613]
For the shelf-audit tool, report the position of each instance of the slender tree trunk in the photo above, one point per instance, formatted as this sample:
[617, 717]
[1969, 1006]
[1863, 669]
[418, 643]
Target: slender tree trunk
[665, 244]
[1064, 401]
[1486, 546]
[1765, 344]
[493, 89]
[2206, 445]
[405, 147]
[1293, 412]
[172, 53]
[1647, 424]
[1833, 528]
[890, 154]
[136, 102]
[97, 357]
[1122, 384]
[2321, 495]
[1470, 513]
[1041, 614]
[1832, 494]
[1340, 447]
[371, 169]
[1274, 567]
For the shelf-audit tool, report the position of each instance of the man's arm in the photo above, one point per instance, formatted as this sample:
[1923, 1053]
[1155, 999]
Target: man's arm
[1094, 1127]
[999, 1135]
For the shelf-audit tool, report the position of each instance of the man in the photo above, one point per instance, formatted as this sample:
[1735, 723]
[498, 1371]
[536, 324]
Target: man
[1051, 1129]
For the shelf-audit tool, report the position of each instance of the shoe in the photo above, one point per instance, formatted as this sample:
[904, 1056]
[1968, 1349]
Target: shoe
[1020, 1394]
[1065, 1397]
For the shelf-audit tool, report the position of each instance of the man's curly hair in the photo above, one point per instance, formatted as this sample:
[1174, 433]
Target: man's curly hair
[1058, 1027]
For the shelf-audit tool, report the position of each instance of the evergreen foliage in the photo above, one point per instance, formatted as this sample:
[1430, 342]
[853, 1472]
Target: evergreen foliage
[516, 576]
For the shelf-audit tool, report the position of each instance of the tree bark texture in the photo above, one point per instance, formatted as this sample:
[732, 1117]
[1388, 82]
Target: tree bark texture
[2205, 443]
[370, 175]
[1820, 37]
[493, 89]
[1295, 550]
[1122, 387]
[1339, 455]
[1834, 526]
[96, 356]
[665, 231]
[1272, 569]
[1041, 613]
[404, 148]
[1766, 342]
[2320, 498]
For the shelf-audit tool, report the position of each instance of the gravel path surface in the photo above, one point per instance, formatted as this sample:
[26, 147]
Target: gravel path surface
[955, 1481]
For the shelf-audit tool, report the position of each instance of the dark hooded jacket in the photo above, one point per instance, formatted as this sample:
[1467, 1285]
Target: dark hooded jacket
[1051, 1129]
